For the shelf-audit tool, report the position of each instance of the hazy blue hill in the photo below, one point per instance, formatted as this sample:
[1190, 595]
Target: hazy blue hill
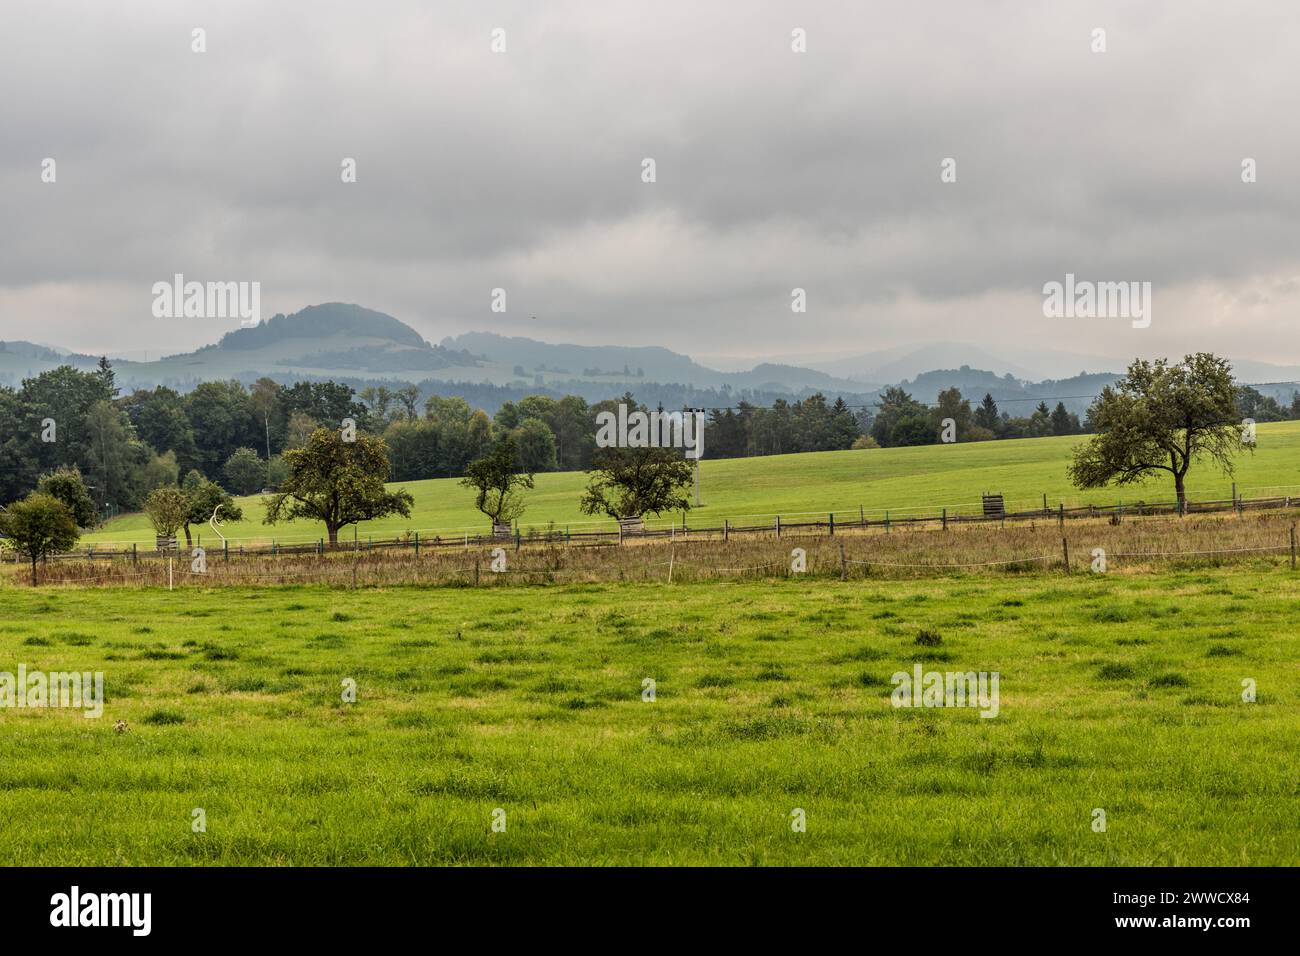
[1019, 397]
[28, 350]
[791, 378]
[353, 344]
[658, 364]
[21, 359]
[331, 340]
[635, 365]
[379, 358]
[320, 321]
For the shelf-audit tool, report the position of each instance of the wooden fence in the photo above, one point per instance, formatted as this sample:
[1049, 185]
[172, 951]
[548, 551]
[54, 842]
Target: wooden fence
[833, 523]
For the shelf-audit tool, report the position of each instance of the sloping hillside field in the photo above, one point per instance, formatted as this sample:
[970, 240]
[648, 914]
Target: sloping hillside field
[1134, 720]
[898, 480]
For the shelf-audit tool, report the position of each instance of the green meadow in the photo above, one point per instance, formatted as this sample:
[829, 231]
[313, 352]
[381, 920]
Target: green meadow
[900, 480]
[1116, 694]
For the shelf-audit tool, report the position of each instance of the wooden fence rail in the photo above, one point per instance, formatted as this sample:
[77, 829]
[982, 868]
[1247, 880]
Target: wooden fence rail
[833, 523]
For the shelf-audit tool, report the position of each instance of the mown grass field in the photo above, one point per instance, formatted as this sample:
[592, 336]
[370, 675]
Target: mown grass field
[926, 478]
[1118, 693]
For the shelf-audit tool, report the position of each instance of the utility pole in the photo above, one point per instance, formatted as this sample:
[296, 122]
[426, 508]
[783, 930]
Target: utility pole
[697, 426]
[103, 446]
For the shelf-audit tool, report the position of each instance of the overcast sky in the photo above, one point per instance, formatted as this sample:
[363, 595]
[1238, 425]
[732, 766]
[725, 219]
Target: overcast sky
[775, 170]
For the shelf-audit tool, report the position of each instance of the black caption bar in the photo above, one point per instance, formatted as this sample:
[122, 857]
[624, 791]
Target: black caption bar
[137, 906]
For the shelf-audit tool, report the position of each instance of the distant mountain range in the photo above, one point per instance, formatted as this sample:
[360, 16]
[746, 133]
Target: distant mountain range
[357, 345]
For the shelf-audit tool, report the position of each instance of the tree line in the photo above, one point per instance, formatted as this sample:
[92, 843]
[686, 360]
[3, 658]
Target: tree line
[230, 438]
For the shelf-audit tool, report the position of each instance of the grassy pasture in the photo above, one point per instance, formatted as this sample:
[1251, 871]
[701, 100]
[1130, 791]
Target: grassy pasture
[1119, 693]
[898, 479]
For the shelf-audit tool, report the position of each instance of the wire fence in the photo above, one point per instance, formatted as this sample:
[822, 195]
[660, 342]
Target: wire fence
[1196, 540]
[830, 523]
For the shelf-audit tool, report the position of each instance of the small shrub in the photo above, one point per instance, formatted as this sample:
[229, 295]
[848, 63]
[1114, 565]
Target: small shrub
[1114, 672]
[715, 680]
[1114, 615]
[928, 638]
[861, 654]
[245, 685]
[1223, 650]
[873, 680]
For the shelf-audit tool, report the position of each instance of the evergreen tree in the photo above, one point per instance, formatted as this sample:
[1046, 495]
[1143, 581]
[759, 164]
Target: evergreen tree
[986, 416]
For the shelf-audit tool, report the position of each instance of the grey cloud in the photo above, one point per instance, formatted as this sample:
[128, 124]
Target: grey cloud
[774, 169]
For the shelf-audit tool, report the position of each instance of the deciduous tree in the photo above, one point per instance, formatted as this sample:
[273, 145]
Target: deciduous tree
[631, 482]
[496, 479]
[40, 525]
[338, 483]
[66, 485]
[1161, 417]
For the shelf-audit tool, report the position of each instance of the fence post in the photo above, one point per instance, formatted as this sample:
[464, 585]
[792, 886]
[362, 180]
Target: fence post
[1061, 515]
[476, 571]
[843, 571]
[778, 526]
[887, 522]
[133, 554]
[169, 574]
[862, 516]
[1046, 510]
[1292, 547]
[831, 516]
[726, 530]
[516, 537]
[417, 544]
[672, 553]
[1065, 547]
[945, 519]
